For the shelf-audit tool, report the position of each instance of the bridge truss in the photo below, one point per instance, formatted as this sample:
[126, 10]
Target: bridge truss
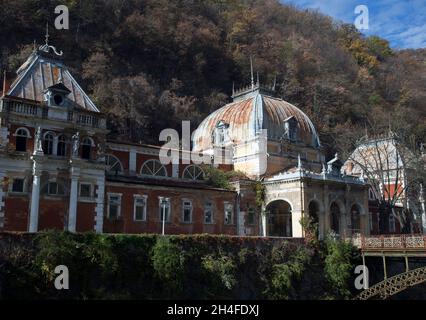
[395, 284]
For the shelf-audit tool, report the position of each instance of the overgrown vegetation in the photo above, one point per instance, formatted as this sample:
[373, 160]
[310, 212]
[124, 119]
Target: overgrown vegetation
[172, 267]
[219, 178]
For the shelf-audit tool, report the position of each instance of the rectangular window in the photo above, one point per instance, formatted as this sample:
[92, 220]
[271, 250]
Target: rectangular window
[229, 213]
[114, 206]
[54, 189]
[370, 220]
[391, 223]
[208, 212]
[251, 216]
[187, 211]
[18, 185]
[140, 208]
[164, 206]
[85, 190]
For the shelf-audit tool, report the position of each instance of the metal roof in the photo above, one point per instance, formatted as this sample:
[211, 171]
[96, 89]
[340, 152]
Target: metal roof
[40, 72]
[247, 117]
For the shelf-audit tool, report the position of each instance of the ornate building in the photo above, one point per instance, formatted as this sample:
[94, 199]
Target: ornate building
[60, 171]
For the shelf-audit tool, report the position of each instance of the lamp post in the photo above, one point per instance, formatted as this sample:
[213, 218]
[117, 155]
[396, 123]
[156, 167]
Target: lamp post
[164, 202]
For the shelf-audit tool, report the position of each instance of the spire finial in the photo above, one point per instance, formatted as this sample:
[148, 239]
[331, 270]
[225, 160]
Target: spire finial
[275, 82]
[233, 87]
[257, 82]
[47, 33]
[299, 162]
[251, 72]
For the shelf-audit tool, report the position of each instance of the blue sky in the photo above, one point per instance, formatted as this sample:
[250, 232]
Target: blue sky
[401, 22]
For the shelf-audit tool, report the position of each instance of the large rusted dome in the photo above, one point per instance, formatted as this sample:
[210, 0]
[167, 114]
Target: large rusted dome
[249, 114]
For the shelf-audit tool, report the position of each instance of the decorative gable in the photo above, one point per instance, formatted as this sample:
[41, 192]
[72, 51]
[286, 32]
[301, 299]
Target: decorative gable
[41, 74]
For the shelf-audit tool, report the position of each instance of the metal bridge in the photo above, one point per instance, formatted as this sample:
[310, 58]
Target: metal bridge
[404, 246]
[393, 285]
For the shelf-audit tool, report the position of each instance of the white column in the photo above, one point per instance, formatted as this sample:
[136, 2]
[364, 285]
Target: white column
[263, 222]
[35, 200]
[296, 215]
[99, 216]
[175, 170]
[132, 161]
[72, 216]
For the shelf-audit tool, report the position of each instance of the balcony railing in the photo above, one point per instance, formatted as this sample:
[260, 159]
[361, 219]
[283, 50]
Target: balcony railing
[24, 108]
[389, 242]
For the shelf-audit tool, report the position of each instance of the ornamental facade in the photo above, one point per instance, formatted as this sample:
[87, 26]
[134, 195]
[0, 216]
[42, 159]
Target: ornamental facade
[60, 170]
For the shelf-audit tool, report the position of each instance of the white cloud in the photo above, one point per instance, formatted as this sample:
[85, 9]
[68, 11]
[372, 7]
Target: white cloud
[401, 22]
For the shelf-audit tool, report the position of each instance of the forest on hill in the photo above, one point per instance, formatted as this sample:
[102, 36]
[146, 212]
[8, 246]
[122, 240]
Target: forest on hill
[151, 63]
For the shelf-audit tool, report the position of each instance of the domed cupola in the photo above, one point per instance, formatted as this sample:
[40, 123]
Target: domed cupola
[254, 108]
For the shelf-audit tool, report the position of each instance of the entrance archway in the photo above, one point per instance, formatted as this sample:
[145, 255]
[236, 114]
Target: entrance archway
[335, 217]
[279, 223]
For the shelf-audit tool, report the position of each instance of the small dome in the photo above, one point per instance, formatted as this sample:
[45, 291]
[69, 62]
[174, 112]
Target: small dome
[251, 113]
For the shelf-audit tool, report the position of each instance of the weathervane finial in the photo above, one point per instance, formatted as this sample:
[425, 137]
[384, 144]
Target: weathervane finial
[46, 47]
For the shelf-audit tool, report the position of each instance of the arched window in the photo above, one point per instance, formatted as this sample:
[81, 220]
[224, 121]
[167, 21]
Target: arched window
[356, 218]
[113, 164]
[22, 135]
[335, 217]
[62, 146]
[193, 172]
[220, 136]
[86, 148]
[153, 168]
[48, 143]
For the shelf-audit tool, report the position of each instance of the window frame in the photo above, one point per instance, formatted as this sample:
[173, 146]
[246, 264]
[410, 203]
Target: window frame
[198, 177]
[57, 194]
[392, 225]
[86, 142]
[251, 212]
[24, 185]
[109, 195]
[137, 197]
[162, 166]
[211, 211]
[225, 205]
[17, 135]
[65, 142]
[117, 161]
[91, 190]
[51, 143]
[187, 206]
[169, 206]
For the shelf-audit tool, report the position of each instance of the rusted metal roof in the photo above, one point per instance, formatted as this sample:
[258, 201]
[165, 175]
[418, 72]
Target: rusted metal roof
[40, 72]
[247, 117]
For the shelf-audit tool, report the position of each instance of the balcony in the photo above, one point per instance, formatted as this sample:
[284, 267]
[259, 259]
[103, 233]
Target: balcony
[20, 107]
[391, 242]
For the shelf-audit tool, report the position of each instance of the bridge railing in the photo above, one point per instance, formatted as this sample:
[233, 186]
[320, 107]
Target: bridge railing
[402, 241]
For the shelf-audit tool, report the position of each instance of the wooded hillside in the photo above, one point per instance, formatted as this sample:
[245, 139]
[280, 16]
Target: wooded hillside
[151, 63]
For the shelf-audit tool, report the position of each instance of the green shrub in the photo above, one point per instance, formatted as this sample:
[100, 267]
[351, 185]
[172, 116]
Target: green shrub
[222, 268]
[286, 274]
[339, 263]
[168, 263]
